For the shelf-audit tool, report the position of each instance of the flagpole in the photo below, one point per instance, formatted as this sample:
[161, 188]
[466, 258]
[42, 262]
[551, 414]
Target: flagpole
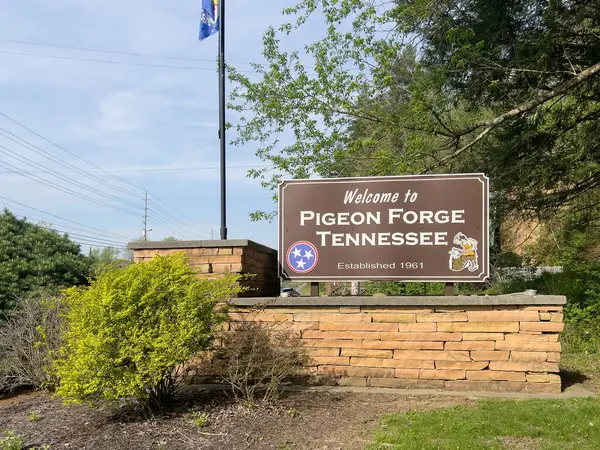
[222, 117]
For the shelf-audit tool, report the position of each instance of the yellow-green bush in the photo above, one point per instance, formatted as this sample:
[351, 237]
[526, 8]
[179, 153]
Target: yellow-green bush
[131, 330]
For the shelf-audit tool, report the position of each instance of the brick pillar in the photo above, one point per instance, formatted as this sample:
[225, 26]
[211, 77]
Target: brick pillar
[217, 258]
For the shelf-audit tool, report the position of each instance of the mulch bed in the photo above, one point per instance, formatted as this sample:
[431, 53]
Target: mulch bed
[301, 420]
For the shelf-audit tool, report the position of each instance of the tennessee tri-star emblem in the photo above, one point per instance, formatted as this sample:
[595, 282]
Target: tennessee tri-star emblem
[302, 257]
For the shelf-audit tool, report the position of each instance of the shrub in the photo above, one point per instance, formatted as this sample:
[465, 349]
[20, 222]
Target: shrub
[29, 340]
[33, 257]
[129, 333]
[11, 442]
[256, 358]
[398, 288]
[582, 329]
[418, 288]
[581, 285]
[507, 259]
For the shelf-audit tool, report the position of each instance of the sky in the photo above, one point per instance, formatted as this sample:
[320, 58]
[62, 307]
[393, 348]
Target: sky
[106, 133]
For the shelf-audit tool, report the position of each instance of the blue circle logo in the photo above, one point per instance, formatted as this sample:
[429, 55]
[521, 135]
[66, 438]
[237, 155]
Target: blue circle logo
[302, 257]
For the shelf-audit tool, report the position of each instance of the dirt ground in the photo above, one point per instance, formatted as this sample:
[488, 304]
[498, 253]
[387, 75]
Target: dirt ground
[302, 420]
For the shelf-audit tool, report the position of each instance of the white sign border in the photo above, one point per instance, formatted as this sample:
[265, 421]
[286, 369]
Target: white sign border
[481, 177]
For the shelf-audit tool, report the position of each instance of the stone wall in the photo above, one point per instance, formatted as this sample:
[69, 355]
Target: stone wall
[473, 343]
[218, 258]
[502, 343]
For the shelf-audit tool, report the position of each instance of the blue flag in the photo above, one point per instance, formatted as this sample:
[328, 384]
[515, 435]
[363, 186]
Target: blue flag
[209, 19]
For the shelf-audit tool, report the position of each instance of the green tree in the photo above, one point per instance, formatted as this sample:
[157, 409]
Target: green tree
[130, 331]
[509, 88]
[33, 257]
[571, 238]
[100, 259]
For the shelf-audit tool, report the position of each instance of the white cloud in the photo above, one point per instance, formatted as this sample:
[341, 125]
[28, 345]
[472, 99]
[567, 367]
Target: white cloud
[121, 112]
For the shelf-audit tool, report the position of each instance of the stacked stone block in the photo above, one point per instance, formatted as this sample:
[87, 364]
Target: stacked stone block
[214, 259]
[472, 348]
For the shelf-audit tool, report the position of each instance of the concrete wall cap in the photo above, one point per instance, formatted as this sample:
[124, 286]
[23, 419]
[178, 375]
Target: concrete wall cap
[461, 300]
[176, 245]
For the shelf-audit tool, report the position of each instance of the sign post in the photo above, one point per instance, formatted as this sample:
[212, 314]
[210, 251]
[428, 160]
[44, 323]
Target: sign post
[407, 228]
[314, 289]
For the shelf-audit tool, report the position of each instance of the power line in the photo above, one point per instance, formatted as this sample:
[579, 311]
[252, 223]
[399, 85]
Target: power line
[100, 180]
[135, 54]
[118, 63]
[175, 232]
[34, 148]
[175, 218]
[58, 187]
[78, 157]
[106, 61]
[84, 239]
[110, 52]
[83, 236]
[71, 230]
[182, 227]
[168, 169]
[87, 162]
[32, 163]
[98, 245]
[162, 213]
[183, 216]
[62, 218]
[160, 218]
[75, 235]
[168, 225]
[65, 164]
[146, 229]
[64, 189]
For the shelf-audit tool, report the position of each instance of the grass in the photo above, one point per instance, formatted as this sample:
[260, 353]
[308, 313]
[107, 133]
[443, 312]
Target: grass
[587, 367]
[492, 424]
[586, 364]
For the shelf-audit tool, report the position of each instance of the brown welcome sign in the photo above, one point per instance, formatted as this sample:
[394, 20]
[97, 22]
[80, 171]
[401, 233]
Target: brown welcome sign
[406, 228]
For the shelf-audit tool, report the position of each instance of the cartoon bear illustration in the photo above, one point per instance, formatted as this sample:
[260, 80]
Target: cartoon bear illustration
[464, 257]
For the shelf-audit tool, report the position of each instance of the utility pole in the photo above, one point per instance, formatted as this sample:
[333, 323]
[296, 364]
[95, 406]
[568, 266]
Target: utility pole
[145, 235]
